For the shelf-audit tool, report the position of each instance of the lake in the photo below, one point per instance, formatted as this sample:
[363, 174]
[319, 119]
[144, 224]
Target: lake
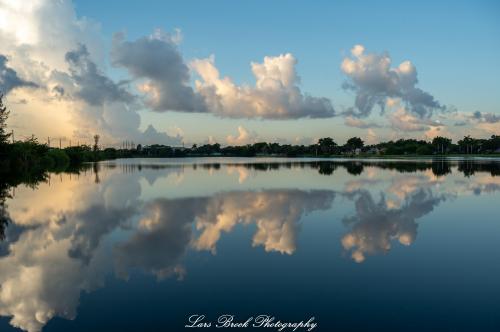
[356, 245]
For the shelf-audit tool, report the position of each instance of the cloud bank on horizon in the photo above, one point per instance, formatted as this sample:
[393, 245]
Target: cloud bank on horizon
[59, 65]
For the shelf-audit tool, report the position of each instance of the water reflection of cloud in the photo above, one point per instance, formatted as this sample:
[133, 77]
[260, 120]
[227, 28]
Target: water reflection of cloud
[93, 223]
[478, 185]
[39, 280]
[56, 252]
[357, 184]
[243, 173]
[402, 186]
[161, 238]
[276, 213]
[166, 231]
[374, 226]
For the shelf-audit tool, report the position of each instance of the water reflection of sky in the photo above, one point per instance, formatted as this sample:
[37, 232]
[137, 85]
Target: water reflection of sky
[127, 220]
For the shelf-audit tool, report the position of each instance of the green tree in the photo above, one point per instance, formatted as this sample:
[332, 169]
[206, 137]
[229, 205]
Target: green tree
[466, 144]
[441, 144]
[4, 115]
[327, 145]
[493, 143]
[354, 143]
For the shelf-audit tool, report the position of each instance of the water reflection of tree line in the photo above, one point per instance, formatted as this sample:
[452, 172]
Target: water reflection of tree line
[11, 180]
[31, 179]
[4, 216]
[326, 167]
[469, 167]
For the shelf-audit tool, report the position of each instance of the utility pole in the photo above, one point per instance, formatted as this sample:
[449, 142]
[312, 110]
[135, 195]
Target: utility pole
[60, 147]
[12, 135]
[48, 141]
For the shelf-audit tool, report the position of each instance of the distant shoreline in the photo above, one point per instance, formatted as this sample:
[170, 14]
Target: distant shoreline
[30, 159]
[361, 156]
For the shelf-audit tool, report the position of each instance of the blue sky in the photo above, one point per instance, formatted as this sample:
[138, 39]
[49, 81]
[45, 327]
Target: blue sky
[454, 46]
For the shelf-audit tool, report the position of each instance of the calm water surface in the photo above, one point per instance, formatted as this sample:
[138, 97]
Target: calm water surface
[141, 244]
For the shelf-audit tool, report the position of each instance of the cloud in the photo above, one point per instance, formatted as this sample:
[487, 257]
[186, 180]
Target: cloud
[9, 79]
[157, 65]
[301, 140]
[58, 91]
[157, 60]
[358, 123]
[92, 86]
[434, 131]
[153, 136]
[37, 34]
[485, 117]
[477, 123]
[116, 121]
[373, 80]
[101, 105]
[47, 44]
[244, 137]
[276, 94]
[371, 137]
[403, 120]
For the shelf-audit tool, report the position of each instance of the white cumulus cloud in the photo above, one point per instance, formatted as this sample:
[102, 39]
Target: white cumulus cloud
[373, 80]
[276, 94]
[244, 137]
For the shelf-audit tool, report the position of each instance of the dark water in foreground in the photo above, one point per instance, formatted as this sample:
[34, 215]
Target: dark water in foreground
[140, 245]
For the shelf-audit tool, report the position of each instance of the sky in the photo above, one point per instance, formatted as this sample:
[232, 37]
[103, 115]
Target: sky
[238, 72]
